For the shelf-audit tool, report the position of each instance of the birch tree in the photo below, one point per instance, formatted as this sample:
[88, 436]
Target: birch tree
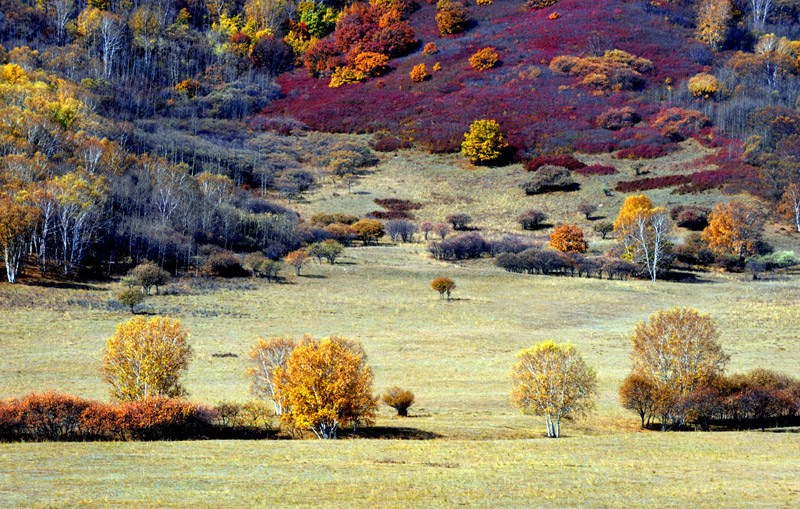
[553, 381]
[268, 359]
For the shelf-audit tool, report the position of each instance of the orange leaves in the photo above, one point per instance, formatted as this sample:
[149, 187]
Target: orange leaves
[145, 358]
[430, 49]
[452, 17]
[419, 73]
[443, 285]
[789, 206]
[326, 384]
[297, 259]
[371, 63]
[484, 59]
[734, 228]
[568, 238]
[17, 224]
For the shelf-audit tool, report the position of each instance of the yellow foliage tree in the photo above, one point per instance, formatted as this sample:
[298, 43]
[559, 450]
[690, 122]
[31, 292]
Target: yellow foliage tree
[419, 73]
[484, 143]
[676, 351]
[145, 358]
[297, 259]
[642, 231]
[552, 380]
[713, 21]
[327, 385]
[734, 228]
[17, 224]
[345, 75]
[443, 285]
[705, 85]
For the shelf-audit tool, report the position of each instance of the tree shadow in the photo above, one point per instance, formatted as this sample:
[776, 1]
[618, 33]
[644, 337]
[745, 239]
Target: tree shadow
[66, 285]
[685, 277]
[313, 276]
[391, 433]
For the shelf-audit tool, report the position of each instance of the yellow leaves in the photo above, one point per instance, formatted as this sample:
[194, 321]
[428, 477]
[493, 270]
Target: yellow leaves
[705, 85]
[12, 73]
[345, 75]
[734, 228]
[713, 19]
[145, 358]
[484, 59]
[419, 73]
[633, 207]
[484, 142]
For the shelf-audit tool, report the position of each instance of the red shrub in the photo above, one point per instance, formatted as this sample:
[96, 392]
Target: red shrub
[650, 151]
[391, 214]
[397, 204]
[565, 161]
[645, 184]
[617, 118]
[596, 169]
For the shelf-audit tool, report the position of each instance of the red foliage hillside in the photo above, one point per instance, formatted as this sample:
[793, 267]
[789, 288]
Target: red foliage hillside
[542, 112]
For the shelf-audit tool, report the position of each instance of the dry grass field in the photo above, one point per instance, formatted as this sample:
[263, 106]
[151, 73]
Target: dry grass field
[455, 356]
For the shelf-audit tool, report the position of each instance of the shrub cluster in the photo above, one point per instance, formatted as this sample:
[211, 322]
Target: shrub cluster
[596, 169]
[484, 143]
[616, 118]
[463, 247]
[59, 417]
[452, 17]
[419, 73]
[678, 124]
[323, 220]
[395, 208]
[705, 86]
[549, 179]
[387, 143]
[531, 219]
[564, 161]
[551, 261]
[223, 264]
[484, 59]
[615, 70]
[690, 216]
[758, 399]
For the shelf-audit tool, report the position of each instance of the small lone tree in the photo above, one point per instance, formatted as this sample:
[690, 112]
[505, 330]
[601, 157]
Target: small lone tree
[531, 219]
[369, 230]
[145, 358]
[484, 143]
[267, 358]
[553, 380]
[426, 227]
[604, 228]
[326, 384]
[297, 259]
[131, 297]
[399, 399]
[638, 394]
[441, 229]
[147, 275]
[444, 286]
[459, 221]
[587, 209]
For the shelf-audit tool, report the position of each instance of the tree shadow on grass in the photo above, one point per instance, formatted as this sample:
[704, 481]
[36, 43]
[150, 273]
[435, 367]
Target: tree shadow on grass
[685, 277]
[313, 276]
[66, 285]
[390, 433]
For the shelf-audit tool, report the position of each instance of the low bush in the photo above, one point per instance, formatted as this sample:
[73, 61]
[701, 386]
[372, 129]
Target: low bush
[646, 151]
[531, 219]
[617, 118]
[690, 217]
[459, 221]
[463, 247]
[452, 17]
[484, 59]
[596, 169]
[397, 204]
[388, 143]
[399, 399]
[224, 264]
[326, 219]
[549, 179]
[645, 184]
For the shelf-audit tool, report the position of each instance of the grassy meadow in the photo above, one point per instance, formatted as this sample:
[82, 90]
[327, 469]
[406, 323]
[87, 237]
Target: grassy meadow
[455, 356]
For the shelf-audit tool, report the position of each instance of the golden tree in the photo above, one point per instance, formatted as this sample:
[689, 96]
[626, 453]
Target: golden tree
[145, 358]
[443, 285]
[789, 206]
[17, 224]
[326, 385]
[484, 143]
[676, 351]
[484, 59]
[568, 238]
[713, 21]
[369, 230]
[268, 359]
[643, 230]
[297, 259]
[553, 380]
[734, 228]
[399, 399]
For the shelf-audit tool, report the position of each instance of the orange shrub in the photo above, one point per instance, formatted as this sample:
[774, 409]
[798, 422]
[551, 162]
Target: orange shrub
[484, 59]
[554, 15]
[705, 85]
[370, 63]
[568, 238]
[437, 67]
[419, 73]
[430, 49]
[483, 2]
[452, 17]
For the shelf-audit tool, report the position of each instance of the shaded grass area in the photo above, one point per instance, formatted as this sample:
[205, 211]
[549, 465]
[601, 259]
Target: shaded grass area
[642, 469]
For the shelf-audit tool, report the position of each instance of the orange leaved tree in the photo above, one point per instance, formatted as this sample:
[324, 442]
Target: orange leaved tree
[297, 259]
[734, 228]
[443, 285]
[326, 385]
[145, 358]
[642, 231]
[568, 238]
[552, 380]
[268, 362]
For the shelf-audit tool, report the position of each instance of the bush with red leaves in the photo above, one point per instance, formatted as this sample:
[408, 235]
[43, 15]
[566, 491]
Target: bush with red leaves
[617, 118]
[649, 151]
[564, 161]
[645, 184]
[596, 169]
